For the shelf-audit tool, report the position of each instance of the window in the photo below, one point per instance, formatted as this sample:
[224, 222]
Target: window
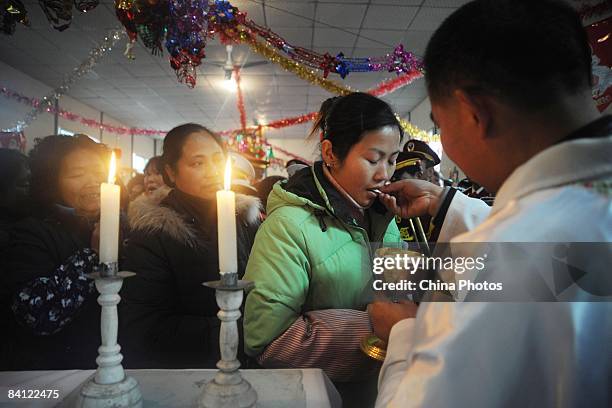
[66, 132]
[138, 163]
[436, 147]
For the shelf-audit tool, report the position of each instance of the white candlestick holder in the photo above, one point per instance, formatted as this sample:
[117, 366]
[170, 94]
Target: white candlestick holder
[228, 388]
[109, 387]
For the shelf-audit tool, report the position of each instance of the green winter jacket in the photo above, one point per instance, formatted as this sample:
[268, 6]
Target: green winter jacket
[309, 254]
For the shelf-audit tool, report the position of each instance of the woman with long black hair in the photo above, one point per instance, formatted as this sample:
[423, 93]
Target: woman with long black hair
[311, 261]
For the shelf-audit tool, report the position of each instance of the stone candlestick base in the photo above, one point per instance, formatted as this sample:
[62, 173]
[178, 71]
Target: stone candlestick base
[110, 387]
[228, 388]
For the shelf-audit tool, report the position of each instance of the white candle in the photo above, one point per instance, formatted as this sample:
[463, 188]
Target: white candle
[226, 224]
[110, 196]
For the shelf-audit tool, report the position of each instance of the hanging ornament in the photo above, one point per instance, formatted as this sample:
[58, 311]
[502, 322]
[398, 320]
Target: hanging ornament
[223, 19]
[401, 61]
[86, 5]
[11, 13]
[186, 37]
[125, 14]
[58, 12]
[151, 18]
[151, 35]
[224, 11]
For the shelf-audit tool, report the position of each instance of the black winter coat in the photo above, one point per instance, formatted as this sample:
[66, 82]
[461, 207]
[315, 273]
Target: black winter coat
[53, 319]
[168, 319]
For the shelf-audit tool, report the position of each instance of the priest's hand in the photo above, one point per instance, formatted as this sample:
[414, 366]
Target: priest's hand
[411, 198]
[383, 315]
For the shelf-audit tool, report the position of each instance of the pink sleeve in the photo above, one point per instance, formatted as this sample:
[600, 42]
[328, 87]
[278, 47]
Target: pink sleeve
[326, 339]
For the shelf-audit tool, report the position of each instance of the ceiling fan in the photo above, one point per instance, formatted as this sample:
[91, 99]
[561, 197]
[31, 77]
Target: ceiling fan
[228, 66]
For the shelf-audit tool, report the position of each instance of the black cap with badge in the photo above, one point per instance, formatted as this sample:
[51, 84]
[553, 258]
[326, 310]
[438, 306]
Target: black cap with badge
[415, 157]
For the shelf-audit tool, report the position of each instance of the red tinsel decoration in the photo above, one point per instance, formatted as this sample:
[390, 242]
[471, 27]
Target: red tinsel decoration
[277, 124]
[240, 99]
[383, 88]
[387, 87]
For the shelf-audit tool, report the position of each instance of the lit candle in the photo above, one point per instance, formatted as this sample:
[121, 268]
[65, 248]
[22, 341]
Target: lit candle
[110, 195]
[226, 224]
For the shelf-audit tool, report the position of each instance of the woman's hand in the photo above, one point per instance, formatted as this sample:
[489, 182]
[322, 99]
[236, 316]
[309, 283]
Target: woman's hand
[384, 315]
[411, 198]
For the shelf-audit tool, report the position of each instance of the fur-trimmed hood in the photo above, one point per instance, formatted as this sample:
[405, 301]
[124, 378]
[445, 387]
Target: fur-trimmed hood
[148, 214]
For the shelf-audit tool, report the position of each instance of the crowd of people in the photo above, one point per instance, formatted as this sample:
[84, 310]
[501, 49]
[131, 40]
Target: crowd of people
[524, 129]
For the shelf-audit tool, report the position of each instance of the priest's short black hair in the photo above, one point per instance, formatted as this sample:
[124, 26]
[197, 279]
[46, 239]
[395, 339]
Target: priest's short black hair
[525, 52]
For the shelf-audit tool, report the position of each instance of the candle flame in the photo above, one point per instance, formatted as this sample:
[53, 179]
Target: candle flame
[227, 179]
[113, 169]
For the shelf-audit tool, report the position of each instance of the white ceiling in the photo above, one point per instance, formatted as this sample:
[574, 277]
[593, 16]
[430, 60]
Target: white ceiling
[145, 92]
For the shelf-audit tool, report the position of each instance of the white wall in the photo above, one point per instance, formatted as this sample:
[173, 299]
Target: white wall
[11, 111]
[419, 116]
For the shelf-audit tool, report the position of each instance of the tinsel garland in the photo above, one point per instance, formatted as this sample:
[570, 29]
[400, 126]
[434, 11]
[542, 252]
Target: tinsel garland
[409, 128]
[311, 76]
[414, 131]
[74, 117]
[224, 16]
[417, 133]
[331, 86]
[95, 54]
[240, 99]
[287, 64]
[277, 124]
[399, 61]
[392, 85]
[185, 24]
[120, 130]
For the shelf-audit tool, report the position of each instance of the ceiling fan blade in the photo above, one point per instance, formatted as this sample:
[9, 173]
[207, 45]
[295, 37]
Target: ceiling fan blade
[254, 64]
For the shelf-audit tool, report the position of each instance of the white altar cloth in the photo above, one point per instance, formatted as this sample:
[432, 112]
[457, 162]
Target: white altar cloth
[307, 388]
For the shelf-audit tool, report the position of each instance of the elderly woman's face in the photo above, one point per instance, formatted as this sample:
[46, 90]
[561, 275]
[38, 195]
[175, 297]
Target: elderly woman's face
[81, 173]
[199, 171]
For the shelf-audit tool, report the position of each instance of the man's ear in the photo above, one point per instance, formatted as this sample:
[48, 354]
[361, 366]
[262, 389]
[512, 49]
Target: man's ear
[327, 153]
[475, 110]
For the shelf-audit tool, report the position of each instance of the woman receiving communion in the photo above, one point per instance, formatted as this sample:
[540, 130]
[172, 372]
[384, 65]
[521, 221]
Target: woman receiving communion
[311, 258]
